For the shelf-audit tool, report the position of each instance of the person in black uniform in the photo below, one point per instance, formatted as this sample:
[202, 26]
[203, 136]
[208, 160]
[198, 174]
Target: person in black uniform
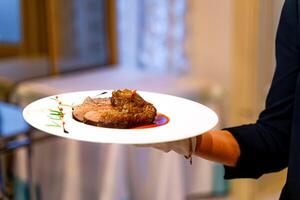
[273, 142]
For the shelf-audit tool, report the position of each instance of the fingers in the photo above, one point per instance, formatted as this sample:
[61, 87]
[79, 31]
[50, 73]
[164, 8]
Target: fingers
[183, 147]
[165, 147]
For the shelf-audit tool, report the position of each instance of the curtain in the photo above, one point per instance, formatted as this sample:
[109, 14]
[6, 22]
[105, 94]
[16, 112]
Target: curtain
[151, 35]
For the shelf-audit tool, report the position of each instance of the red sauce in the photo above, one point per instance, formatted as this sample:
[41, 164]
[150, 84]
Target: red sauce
[159, 120]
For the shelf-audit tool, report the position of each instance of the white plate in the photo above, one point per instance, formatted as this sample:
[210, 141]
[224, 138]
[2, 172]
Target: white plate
[186, 119]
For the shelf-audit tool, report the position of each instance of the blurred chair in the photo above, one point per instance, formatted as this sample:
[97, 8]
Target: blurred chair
[14, 133]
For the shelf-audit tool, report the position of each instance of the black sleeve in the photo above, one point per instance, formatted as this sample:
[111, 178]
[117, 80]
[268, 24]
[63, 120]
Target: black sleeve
[265, 144]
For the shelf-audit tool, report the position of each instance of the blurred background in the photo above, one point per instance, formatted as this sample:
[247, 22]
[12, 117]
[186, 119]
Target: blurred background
[219, 53]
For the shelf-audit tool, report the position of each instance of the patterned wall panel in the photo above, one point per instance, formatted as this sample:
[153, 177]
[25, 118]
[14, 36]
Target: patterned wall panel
[82, 33]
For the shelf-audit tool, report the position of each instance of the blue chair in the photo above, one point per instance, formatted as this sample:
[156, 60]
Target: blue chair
[14, 133]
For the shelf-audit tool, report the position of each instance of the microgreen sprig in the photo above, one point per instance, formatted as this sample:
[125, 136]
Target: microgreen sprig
[57, 115]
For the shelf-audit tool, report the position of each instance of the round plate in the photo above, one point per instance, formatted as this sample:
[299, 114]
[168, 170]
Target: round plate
[186, 119]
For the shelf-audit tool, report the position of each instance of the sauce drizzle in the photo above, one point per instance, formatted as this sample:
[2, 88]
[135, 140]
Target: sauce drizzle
[159, 120]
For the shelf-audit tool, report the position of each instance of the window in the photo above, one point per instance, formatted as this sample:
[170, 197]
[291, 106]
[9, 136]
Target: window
[22, 28]
[10, 25]
[70, 35]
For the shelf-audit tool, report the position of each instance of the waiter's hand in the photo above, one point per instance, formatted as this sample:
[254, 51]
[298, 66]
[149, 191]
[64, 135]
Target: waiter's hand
[215, 145]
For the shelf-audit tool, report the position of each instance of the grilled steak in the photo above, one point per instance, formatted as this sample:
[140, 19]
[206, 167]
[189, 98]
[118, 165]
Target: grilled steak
[125, 109]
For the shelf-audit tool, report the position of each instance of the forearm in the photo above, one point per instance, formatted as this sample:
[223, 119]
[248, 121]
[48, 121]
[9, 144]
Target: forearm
[219, 146]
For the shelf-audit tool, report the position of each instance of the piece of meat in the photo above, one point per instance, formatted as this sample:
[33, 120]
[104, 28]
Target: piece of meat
[90, 104]
[125, 109]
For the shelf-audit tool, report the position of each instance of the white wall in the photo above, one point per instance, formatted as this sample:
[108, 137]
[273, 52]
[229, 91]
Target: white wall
[209, 26]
